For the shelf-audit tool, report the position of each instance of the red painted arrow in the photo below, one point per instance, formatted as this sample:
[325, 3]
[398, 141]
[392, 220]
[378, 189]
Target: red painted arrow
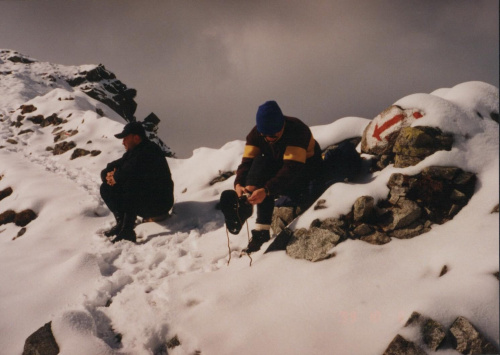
[378, 130]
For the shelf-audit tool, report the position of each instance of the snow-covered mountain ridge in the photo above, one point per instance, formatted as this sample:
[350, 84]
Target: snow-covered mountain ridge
[175, 283]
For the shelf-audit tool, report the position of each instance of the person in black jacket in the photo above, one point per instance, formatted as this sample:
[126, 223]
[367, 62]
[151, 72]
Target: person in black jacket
[137, 184]
[281, 158]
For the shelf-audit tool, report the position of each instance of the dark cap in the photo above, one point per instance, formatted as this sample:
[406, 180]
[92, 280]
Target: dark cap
[270, 119]
[132, 128]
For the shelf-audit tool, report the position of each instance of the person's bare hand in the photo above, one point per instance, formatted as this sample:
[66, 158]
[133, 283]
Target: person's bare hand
[257, 196]
[240, 190]
[110, 178]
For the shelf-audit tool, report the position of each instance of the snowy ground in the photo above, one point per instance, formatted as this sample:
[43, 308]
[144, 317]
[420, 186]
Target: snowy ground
[176, 281]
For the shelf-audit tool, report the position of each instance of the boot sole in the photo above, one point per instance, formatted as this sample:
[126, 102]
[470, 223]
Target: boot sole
[229, 207]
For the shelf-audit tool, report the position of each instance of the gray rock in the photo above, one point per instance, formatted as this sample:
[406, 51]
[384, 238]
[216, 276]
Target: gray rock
[377, 238]
[41, 342]
[312, 244]
[363, 229]
[282, 216]
[63, 147]
[410, 231]
[413, 144]
[404, 214]
[433, 333]
[364, 209]
[401, 346]
[334, 225]
[467, 340]
[79, 152]
[441, 172]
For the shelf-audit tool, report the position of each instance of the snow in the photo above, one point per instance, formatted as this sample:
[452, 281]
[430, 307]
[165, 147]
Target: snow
[176, 281]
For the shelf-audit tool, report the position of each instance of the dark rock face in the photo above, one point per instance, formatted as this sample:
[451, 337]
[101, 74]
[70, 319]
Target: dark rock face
[150, 124]
[467, 340]
[41, 342]
[401, 346]
[112, 92]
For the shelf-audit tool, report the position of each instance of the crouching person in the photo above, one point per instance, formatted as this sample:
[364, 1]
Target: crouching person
[137, 184]
[281, 157]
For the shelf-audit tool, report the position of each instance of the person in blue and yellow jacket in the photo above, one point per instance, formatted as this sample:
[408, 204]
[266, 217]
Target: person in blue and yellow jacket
[281, 157]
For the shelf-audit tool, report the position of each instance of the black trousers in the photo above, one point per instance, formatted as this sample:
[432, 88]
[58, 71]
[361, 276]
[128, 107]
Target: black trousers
[118, 201]
[263, 169]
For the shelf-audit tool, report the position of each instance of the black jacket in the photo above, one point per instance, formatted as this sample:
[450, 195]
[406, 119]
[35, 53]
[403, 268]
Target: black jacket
[143, 175]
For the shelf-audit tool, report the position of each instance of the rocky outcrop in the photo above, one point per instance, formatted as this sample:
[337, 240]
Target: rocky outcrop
[95, 81]
[102, 85]
[391, 139]
[41, 342]
[151, 125]
[414, 203]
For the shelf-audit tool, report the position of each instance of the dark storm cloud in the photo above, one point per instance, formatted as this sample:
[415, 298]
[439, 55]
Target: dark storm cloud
[205, 66]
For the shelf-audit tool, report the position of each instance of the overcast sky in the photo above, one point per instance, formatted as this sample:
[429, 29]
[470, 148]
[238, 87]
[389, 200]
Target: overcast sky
[205, 66]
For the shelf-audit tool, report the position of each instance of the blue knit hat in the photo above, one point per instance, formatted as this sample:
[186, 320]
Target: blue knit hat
[270, 119]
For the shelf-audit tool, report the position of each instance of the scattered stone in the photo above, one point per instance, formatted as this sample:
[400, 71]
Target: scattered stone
[313, 244]
[495, 209]
[444, 270]
[79, 152]
[11, 141]
[467, 340]
[27, 109]
[20, 233]
[320, 204]
[401, 346]
[95, 153]
[24, 131]
[5, 193]
[62, 135]
[24, 217]
[63, 147]
[173, 343]
[497, 275]
[36, 119]
[223, 176]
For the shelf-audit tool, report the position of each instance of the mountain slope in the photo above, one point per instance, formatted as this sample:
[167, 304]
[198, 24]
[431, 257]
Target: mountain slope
[131, 299]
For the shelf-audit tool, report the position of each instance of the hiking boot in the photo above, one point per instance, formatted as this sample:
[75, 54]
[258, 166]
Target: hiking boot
[258, 238]
[236, 210]
[127, 232]
[126, 235]
[116, 228]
